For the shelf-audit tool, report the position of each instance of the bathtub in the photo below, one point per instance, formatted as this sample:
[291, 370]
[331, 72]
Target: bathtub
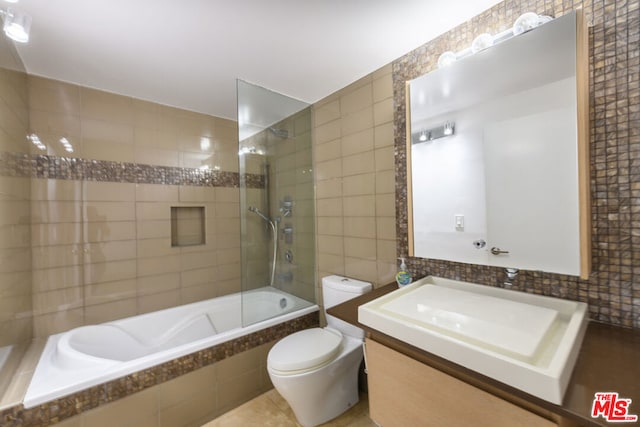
[90, 355]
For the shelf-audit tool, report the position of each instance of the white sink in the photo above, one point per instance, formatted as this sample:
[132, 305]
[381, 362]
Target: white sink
[527, 341]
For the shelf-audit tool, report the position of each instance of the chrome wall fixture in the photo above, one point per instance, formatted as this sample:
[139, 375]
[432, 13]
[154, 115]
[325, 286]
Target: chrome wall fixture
[437, 132]
[16, 24]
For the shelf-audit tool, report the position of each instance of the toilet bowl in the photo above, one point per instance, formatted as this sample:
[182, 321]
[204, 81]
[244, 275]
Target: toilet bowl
[316, 370]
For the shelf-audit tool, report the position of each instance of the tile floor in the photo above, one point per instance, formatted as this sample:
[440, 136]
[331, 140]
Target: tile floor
[271, 410]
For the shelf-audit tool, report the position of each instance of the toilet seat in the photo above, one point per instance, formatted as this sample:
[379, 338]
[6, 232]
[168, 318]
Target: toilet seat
[304, 351]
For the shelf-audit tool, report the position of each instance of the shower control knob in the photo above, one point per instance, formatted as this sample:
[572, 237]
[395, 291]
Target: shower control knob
[288, 255]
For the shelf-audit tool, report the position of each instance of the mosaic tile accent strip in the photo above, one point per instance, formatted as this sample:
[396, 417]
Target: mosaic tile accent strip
[66, 407]
[69, 168]
[613, 289]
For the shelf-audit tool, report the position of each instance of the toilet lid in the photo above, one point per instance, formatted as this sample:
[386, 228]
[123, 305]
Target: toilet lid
[305, 349]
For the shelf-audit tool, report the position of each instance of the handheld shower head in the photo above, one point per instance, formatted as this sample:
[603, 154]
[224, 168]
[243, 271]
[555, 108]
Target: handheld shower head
[260, 214]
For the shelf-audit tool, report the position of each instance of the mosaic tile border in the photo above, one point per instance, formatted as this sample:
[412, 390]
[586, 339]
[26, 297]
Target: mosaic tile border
[613, 289]
[70, 168]
[66, 407]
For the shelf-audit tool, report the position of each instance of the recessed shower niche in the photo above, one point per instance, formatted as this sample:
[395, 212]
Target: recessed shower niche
[187, 225]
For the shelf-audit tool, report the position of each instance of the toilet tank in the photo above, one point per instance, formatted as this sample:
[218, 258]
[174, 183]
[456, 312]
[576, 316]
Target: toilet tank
[336, 290]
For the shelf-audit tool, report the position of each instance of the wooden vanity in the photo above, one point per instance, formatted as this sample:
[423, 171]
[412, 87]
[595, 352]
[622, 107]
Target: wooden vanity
[409, 386]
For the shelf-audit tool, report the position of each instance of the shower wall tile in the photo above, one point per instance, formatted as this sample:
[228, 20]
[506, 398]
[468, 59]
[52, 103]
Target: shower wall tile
[195, 293]
[114, 310]
[105, 106]
[200, 276]
[108, 231]
[56, 322]
[158, 265]
[53, 96]
[108, 211]
[109, 251]
[52, 301]
[55, 190]
[57, 278]
[46, 257]
[108, 291]
[107, 150]
[153, 229]
[148, 248]
[108, 192]
[158, 283]
[157, 301]
[109, 271]
[13, 211]
[44, 212]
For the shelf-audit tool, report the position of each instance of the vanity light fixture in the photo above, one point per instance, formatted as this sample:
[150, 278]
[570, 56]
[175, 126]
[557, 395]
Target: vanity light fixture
[525, 22]
[16, 25]
[437, 132]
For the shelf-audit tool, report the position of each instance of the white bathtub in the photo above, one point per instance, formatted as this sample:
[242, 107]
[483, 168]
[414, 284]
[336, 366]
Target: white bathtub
[91, 355]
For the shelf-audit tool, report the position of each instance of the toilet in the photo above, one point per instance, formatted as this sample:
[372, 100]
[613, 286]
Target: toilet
[316, 370]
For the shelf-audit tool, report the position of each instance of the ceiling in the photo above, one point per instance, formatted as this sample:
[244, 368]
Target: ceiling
[189, 53]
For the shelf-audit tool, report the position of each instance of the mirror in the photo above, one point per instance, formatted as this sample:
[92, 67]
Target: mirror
[497, 155]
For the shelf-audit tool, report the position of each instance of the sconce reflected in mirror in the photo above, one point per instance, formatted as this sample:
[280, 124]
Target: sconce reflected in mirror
[437, 132]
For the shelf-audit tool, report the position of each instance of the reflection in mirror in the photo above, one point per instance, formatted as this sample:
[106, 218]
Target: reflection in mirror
[497, 156]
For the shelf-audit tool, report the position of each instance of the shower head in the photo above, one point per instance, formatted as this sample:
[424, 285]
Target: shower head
[280, 133]
[260, 214]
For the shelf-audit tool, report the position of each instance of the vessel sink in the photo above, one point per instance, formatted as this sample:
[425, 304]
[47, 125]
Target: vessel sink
[527, 341]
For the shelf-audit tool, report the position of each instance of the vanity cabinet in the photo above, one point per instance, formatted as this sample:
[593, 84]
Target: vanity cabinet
[406, 392]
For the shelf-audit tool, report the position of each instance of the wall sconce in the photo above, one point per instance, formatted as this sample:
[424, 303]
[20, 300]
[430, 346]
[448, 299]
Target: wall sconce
[525, 22]
[16, 25]
[437, 132]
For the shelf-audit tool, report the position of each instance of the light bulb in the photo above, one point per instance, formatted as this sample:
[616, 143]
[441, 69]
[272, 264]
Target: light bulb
[525, 22]
[481, 42]
[446, 59]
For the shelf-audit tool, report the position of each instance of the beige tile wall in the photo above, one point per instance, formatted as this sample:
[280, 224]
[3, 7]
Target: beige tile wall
[106, 126]
[355, 180]
[190, 400]
[102, 250]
